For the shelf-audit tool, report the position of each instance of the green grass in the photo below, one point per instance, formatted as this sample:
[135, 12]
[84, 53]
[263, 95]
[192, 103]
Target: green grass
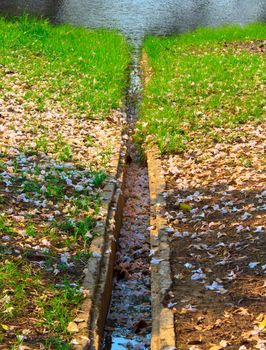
[5, 225]
[51, 184]
[24, 293]
[199, 84]
[82, 71]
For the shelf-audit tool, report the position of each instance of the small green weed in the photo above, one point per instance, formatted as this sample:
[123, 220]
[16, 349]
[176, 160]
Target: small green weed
[54, 343]
[63, 149]
[31, 187]
[42, 144]
[30, 230]
[99, 178]
[5, 225]
[78, 228]
[65, 154]
[89, 140]
[105, 155]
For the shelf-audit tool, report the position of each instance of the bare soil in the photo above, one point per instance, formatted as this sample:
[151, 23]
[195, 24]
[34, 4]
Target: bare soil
[216, 208]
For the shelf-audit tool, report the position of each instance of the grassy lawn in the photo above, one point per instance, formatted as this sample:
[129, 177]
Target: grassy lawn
[79, 70]
[60, 93]
[200, 83]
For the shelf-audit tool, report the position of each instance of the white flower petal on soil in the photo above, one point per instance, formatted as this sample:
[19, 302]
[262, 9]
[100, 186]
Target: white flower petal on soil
[171, 305]
[88, 234]
[259, 229]
[255, 331]
[215, 286]
[156, 261]
[6, 238]
[79, 188]
[198, 275]
[96, 255]
[56, 271]
[64, 258]
[188, 266]
[186, 234]
[261, 344]
[221, 244]
[200, 246]
[74, 342]
[234, 210]
[231, 275]
[191, 308]
[45, 242]
[178, 235]
[252, 265]
[240, 228]
[246, 216]
[169, 230]
[152, 252]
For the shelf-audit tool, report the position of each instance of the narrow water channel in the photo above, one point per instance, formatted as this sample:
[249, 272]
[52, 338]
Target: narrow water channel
[128, 325]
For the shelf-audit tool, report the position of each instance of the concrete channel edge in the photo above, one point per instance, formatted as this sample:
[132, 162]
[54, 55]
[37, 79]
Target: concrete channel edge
[163, 335]
[98, 278]
[97, 282]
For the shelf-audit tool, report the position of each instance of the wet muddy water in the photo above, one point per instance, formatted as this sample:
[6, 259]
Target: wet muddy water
[137, 18]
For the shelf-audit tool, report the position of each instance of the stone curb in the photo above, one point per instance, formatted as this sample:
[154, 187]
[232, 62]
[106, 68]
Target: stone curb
[163, 335]
[97, 282]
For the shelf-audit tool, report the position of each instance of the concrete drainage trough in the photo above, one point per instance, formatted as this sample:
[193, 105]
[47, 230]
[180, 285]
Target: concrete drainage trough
[163, 336]
[99, 272]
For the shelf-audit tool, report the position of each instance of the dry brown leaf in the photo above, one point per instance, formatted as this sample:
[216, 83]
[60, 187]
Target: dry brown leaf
[72, 327]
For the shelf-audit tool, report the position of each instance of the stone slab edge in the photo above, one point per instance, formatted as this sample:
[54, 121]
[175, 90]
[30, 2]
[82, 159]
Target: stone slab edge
[97, 282]
[163, 335]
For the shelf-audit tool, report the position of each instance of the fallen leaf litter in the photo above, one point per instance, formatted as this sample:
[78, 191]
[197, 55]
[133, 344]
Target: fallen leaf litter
[218, 246]
[52, 170]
